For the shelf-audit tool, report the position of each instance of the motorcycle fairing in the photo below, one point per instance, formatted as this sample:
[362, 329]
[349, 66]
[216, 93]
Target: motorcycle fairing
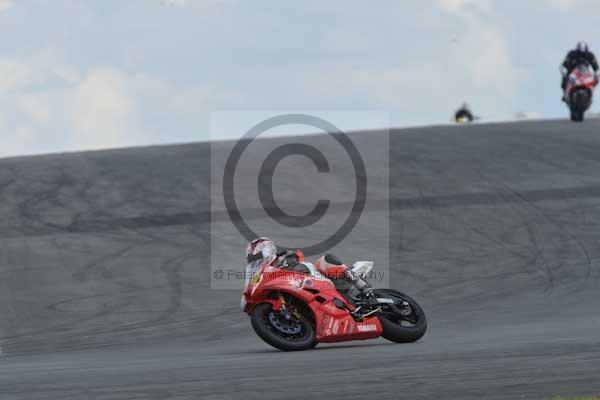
[580, 78]
[332, 323]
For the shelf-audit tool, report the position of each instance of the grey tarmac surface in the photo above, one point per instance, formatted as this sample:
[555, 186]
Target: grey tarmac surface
[495, 230]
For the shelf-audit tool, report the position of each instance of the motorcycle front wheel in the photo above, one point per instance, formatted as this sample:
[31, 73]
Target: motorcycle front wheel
[580, 103]
[401, 324]
[291, 332]
[577, 116]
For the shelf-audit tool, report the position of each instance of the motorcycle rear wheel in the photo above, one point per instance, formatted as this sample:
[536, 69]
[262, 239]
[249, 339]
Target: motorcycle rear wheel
[265, 323]
[398, 328]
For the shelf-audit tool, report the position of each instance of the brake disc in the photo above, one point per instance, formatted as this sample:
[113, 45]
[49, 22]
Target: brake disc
[290, 327]
[405, 309]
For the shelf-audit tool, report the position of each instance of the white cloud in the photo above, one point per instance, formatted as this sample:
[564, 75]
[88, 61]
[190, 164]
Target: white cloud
[5, 4]
[22, 140]
[14, 75]
[205, 7]
[133, 84]
[115, 108]
[491, 66]
[573, 7]
[40, 68]
[478, 68]
[50, 106]
[35, 106]
[174, 3]
[396, 87]
[563, 5]
[101, 110]
[462, 6]
[481, 57]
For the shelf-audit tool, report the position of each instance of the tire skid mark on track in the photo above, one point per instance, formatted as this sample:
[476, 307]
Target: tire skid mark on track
[509, 277]
[202, 218]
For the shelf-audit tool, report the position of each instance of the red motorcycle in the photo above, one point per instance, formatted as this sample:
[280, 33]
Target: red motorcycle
[580, 91]
[296, 311]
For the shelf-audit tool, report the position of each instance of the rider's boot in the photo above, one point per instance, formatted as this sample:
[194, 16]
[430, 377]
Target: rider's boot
[360, 284]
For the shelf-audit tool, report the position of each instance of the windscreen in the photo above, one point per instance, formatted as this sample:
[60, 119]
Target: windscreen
[251, 270]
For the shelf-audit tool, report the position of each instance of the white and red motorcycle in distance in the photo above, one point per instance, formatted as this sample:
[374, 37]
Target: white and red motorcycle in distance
[579, 91]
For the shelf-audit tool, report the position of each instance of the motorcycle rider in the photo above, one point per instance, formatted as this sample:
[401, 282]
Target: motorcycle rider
[580, 55]
[464, 112]
[328, 265]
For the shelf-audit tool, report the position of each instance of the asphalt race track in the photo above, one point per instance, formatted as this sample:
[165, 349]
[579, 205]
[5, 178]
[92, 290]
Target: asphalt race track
[105, 275]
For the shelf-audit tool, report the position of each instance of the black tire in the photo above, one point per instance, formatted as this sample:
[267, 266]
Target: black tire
[267, 332]
[581, 103]
[395, 331]
[573, 116]
[577, 116]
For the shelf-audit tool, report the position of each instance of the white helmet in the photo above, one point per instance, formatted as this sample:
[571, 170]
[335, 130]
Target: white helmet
[583, 47]
[261, 248]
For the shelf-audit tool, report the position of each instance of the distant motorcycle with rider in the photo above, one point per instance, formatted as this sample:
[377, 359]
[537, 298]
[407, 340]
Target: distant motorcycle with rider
[580, 78]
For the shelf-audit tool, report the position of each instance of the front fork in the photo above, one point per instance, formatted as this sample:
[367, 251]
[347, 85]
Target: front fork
[287, 311]
[283, 310]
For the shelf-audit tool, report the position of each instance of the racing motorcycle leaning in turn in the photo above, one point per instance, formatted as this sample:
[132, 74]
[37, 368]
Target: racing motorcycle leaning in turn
[297, 308]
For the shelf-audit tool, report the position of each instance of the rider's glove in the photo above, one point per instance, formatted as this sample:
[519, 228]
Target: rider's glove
[288, 260]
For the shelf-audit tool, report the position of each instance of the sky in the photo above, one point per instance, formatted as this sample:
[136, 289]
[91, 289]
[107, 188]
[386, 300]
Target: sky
[84, 74]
